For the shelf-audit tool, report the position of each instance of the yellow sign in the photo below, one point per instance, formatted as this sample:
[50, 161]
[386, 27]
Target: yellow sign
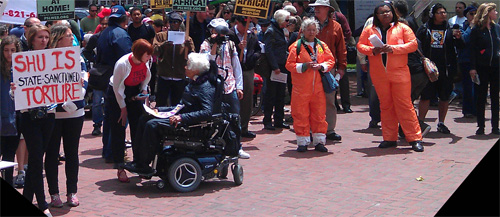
[252, 8]
[160, 4]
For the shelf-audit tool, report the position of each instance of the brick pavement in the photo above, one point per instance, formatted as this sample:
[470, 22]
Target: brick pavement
[355, 178]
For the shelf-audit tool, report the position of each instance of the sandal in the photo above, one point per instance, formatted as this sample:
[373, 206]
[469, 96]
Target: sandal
[122, 176]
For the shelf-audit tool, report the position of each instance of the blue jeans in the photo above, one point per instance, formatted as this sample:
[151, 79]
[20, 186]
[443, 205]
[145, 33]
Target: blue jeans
[97, 107]
[231, 102]
[469, 98]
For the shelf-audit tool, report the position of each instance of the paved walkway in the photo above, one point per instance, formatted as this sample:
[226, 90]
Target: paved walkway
[355, 178]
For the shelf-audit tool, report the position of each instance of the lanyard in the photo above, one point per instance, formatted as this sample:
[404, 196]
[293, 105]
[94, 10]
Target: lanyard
[313, 55]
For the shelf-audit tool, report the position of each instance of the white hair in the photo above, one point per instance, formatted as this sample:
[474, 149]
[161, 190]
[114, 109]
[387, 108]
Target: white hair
[198, 62]
[290, 9]
[281, 15]
[307, 22]
[86, 37]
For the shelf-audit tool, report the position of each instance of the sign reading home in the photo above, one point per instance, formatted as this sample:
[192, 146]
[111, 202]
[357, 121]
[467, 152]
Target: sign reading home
[160, 4]
[55, 9]
[252, 8]
[189, 5]
[46, 77]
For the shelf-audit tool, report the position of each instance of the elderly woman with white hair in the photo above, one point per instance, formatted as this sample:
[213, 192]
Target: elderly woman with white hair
[198, 100]
[308, 58]
[276, 48]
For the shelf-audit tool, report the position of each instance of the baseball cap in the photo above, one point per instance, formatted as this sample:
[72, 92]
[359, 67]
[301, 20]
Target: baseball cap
[174, 16]
[117, 11]
[104, 13]
[148, 11]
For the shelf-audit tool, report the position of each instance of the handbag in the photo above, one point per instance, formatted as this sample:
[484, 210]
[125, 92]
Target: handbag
[430, 68]
[99, 76]
[330, 84]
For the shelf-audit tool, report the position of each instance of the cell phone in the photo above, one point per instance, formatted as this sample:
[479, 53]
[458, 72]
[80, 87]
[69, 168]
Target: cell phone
[142, 95]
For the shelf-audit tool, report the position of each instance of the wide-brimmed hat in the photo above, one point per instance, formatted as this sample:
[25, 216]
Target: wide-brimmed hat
[321, 3]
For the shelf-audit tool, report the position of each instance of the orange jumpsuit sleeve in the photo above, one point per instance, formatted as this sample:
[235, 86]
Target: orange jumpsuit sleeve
[291, 62]
[410, 42]
[364, 46]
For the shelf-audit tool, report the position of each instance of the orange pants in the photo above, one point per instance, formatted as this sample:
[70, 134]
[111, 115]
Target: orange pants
[396, 107]
[309, 112]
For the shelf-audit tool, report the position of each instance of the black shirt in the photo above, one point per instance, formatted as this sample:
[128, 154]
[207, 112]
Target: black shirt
[144, 31]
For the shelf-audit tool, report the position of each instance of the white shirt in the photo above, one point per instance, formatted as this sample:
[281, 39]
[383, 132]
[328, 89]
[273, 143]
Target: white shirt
[457, 20]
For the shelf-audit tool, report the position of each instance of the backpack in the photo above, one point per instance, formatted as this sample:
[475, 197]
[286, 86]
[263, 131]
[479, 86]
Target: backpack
[299, 44]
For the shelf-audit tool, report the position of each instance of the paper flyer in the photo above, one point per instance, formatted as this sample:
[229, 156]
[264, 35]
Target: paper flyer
[163, 114]
[375, 40]
[281, 77]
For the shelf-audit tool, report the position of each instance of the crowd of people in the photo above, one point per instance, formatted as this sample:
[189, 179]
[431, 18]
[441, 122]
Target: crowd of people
[128, 60]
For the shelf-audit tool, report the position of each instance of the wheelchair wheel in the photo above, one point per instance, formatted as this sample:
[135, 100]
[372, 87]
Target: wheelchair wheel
[160, 184]
[257, 104]
[237, 174]
[184, 175]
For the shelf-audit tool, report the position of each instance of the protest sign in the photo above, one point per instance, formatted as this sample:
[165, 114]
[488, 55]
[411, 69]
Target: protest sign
[252, 8]
[3, 4]
[17, 11]
[161, 4]
[55, 9]
[189, 5]
[46, 77]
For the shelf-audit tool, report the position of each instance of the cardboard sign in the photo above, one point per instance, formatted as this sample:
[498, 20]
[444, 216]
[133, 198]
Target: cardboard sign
[55, 9]
[45, 77]
[17, 11]
[160, 4]
[252, 8]
[189, 5]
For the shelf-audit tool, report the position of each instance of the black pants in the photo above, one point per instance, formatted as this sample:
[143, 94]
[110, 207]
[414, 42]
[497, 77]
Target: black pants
[8, 152]
[69, 130]
[487, 75]
[149, 137]
[274, 99]
[116, 130]
[37, 135]
[345, 98]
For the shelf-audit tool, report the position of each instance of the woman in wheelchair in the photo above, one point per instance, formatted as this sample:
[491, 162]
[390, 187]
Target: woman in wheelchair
[198, 100]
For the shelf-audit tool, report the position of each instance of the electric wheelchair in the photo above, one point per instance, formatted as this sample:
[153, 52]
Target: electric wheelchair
[197, 152]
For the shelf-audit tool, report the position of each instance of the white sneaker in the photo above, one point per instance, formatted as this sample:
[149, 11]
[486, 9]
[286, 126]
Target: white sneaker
[243, 155]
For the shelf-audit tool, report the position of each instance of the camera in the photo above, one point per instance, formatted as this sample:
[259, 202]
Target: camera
[219, 39]
[38, 113]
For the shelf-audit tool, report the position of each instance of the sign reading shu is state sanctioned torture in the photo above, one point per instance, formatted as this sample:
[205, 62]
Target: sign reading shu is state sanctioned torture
[252, 8]
[161, 4]
[46, 77]
[189, 5]
[55, 9]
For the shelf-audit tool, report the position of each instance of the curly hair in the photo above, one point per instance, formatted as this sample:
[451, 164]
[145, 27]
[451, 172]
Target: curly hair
[481, 19]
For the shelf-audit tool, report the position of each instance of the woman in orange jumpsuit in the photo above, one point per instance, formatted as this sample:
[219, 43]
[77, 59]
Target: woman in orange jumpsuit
[308, 96]
[391, 76]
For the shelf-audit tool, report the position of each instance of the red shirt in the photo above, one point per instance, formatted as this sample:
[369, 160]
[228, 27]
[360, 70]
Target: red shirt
[137, 73]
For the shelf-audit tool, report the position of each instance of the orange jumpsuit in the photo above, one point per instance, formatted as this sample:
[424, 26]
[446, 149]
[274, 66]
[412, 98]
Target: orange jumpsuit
[393, 81]
[308, 97]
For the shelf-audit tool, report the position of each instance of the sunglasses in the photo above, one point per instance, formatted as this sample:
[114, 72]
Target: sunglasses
[174, 21]
[227, 12]
[287, 20]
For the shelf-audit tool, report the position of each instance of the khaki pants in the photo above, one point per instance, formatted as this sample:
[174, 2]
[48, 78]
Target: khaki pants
[331, 112]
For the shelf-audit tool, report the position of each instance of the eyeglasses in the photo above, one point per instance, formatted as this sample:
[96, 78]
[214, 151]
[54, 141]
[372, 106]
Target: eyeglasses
[385, 12]
[287, 20]
[442, 12]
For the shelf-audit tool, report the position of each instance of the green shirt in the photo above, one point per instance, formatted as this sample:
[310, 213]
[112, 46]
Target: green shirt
[88, 24]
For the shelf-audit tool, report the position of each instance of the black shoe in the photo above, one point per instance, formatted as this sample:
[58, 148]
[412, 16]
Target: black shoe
[495, 131]
[373, 124]
[443, 128]
[417, 146]
[282, 125]
[347, 109]
[425, 128]
[302, 148]
[97, 130]
[480, 131]
[269, 127]
[321, 148]
[388, 144]
[248, 134]
[136, 168]
[334, 136]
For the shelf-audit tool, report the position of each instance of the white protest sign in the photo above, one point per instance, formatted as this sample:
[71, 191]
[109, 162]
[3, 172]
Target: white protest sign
[16, 12]
[46, 77]
[176, 37]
